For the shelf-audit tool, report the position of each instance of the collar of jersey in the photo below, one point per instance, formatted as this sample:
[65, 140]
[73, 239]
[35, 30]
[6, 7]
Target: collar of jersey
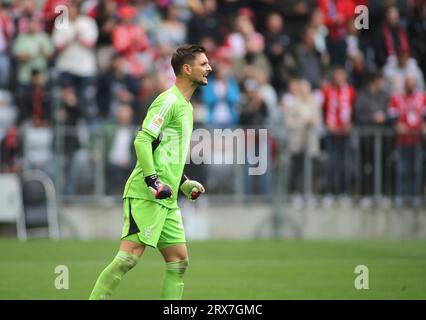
[177, 91]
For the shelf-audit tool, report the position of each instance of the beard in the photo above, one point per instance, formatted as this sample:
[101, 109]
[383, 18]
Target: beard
[200, 82]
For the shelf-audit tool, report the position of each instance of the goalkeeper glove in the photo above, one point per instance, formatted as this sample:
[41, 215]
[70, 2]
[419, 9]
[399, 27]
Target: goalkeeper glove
[157, 188]
[191, 188]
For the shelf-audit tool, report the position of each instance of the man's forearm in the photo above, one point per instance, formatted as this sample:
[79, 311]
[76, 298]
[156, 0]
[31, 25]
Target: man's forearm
[143, 147]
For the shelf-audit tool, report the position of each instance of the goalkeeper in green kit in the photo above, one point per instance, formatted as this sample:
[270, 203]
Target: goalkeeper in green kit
[151, 214]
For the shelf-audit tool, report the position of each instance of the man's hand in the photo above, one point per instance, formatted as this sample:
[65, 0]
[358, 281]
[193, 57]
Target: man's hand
[401, 128]
[379, 117]
[157, 188]
[192, 189]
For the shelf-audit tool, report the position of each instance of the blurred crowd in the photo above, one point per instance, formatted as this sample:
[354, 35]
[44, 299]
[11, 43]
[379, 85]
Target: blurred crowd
[302, 66]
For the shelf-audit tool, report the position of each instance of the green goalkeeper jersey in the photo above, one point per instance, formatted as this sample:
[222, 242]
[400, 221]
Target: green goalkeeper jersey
[169, 125]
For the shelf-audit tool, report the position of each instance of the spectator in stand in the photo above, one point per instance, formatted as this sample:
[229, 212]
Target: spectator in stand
[227, 10]
[76, 59]
[119, 153]
[288, 96]
[25, 12]
[408, 112]
[339, 98]
[148, 91]
[221, 97]
[10, 145]
[34, 103]
[254, 115]
[130, 40]
[355, 43]
[8, 112]
[7, 31]
[37, 146]
[11, 151]
[359, 55]
[370, 110]
[105, 20]
[357, 69]
[391, 39]
[213, 51]
[149, 18]
[397, 69]
[115, 86]
[185, 8]
[316, 22]
[162, 64]
[205, 23]
[254, 112]
[70, 115]
[302, 119]
[308, 61]
[336, 14]
[171, 31]
[417, 34]
[243, 32]
[32, 49]
[273, 122]
[50, 12]
[269, 96]
[360, 42]
[296, 14]
[378, 10]
[261, 10]
[254, 59]
[77, 167]
[276, 43]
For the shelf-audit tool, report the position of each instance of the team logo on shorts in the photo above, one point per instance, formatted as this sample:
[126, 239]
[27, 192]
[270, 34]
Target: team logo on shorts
[147, 232]
[180, 224]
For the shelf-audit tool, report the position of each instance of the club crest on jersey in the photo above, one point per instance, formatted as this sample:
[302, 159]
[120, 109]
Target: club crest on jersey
[156, 123]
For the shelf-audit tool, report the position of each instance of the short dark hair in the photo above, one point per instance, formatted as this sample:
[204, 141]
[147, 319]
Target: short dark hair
[373, 76]
[185, 54]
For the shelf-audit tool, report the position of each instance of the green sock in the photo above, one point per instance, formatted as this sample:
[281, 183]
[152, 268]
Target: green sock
[110, 278]
[173, 281]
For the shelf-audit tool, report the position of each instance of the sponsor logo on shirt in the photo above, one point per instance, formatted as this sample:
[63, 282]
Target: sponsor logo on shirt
[158, 120]
[156, 123]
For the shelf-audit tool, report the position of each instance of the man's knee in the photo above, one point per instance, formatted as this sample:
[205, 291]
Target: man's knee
[178, 266]
[130, 244]
[126, 261]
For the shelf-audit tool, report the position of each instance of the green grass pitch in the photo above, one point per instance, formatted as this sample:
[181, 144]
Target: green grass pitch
[264, 269]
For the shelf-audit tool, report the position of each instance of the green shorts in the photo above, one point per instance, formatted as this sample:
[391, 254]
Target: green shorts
[151, 223]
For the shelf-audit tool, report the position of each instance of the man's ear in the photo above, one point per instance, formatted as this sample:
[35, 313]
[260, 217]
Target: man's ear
[186, 68]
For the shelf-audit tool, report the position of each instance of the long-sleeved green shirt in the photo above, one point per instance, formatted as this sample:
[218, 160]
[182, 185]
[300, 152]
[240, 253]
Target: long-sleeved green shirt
[161, 146]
